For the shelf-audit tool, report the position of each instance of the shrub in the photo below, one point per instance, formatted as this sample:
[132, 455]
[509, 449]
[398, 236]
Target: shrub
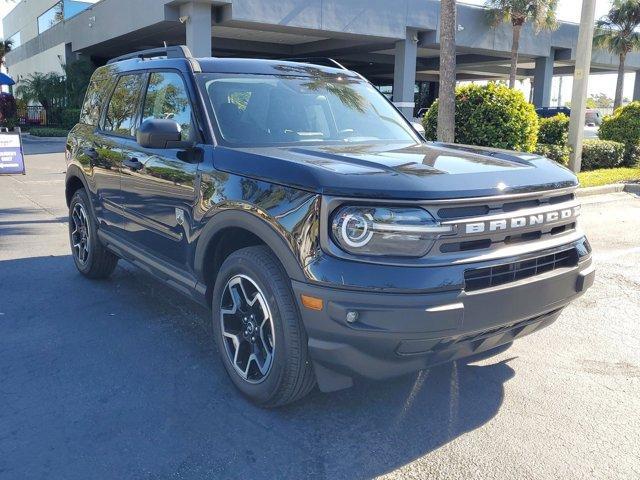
[49, 132]
[490, 116]
[8, 107]
[554, 130]
[601, 154]
[558, 153]
[69, 117]
[631, 155]
[623, 126]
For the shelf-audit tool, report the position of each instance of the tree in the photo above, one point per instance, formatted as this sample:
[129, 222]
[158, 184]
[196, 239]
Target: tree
[600, 100]
[46, 88]
[616, 32]
[5, 47]
[447, 97]
[76, 79]
[541, 13]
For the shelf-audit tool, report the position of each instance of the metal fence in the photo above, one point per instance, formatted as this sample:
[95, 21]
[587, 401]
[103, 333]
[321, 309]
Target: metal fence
[32, 116]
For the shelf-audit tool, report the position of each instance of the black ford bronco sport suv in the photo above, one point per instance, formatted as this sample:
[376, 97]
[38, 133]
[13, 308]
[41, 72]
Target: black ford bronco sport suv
[329, 239]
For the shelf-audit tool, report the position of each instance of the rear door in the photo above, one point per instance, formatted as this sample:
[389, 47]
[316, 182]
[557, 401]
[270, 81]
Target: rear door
[112, 148]
[160, 191]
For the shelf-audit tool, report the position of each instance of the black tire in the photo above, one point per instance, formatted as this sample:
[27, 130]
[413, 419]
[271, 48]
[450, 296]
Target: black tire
[96, 261]
[290, 376]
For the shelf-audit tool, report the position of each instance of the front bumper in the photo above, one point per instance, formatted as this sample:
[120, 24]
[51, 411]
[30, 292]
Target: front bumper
[398, 333]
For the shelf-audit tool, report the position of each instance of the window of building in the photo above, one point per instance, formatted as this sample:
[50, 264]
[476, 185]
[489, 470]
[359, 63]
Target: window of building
[61, 11]
[72, 7]
[15, 40]
[52, 16]
[167, 98]
[123, 105]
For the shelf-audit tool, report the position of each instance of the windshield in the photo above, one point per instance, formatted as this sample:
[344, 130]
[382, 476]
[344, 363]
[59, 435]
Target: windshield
[253, 110]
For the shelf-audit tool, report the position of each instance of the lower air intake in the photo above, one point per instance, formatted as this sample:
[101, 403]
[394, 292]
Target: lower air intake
[511, 272]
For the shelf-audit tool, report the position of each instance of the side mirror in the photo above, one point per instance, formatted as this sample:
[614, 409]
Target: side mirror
[159, 133]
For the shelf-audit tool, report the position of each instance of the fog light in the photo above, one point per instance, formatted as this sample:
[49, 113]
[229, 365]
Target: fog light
[352, 317]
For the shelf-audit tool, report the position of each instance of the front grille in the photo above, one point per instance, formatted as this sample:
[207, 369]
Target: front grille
[466, 243]
[501, 274]
[450, 213]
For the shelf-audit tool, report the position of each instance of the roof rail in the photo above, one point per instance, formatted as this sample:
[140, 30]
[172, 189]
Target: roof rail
[322, 61]
[176, 51]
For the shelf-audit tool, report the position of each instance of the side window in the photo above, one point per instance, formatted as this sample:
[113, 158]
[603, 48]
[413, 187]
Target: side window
[97, 92]
[121, 113]
[167, 98]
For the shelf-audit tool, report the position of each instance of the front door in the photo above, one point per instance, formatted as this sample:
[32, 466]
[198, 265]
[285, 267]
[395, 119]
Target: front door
[110, 149]
[159, 188]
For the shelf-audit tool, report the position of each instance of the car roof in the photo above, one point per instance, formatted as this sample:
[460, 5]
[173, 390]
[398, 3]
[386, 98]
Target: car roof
[234, 65]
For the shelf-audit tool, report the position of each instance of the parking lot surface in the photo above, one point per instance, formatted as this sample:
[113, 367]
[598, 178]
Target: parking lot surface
[120, 378]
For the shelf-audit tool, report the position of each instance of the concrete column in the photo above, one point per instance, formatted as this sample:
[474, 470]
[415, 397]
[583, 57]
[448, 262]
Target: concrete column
[404, 73]
[636, 87]
[197, 19]
[542, 80]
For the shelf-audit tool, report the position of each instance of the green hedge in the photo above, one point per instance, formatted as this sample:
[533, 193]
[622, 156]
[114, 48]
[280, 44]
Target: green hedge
[624, 127]
[63, 117]
[631, 155]
[554, 130]
[559, 153]
[602, 154]
[491, 116]
[49, 132]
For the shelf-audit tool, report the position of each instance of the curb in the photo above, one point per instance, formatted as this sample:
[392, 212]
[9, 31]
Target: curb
[613, 188]
[33, 138]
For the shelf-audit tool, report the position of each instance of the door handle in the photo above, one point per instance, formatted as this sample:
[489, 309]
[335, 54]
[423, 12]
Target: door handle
[133, 164]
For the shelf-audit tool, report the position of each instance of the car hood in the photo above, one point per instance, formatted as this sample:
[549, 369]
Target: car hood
[397, 171]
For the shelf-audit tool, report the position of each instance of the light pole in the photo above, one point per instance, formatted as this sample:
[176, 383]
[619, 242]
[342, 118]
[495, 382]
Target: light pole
[580, 83]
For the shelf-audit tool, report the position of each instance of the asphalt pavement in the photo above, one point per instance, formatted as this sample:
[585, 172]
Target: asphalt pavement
[120, 378]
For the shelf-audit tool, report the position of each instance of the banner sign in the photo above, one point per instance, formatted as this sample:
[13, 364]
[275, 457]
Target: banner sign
[11, 156]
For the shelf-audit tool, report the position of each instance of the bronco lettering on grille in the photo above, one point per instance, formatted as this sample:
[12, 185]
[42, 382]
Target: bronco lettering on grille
[524, 221]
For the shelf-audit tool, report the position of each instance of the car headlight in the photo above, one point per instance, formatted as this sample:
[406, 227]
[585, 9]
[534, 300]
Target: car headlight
[385, 231]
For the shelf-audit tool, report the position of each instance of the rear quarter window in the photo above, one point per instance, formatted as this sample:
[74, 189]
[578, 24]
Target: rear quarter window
[97, 93]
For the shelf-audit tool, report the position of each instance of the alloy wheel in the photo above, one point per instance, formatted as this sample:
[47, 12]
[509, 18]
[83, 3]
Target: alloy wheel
[80, 241]
[247, 328]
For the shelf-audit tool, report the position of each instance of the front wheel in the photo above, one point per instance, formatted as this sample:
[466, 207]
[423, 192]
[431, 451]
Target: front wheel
[91, 257]
[258, 329]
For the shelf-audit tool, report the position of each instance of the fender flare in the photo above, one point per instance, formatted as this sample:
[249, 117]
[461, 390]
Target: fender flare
[73, 171]
[254, 224]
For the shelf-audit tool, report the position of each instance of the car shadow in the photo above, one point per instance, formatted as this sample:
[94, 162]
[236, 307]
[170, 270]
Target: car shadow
[120, 379]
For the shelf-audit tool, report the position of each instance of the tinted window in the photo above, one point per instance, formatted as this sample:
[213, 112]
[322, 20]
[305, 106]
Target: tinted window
[167, 98]
[320, 107]
[96, 95]
[123, 105]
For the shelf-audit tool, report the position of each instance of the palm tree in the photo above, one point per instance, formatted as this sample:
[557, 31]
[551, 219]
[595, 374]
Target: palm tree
[447, 97]
[542, 13]
[616, 32]
[45, 88]
[5, 47]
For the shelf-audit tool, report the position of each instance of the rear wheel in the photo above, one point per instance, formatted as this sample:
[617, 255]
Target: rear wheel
[91, 257]
[258, 329]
